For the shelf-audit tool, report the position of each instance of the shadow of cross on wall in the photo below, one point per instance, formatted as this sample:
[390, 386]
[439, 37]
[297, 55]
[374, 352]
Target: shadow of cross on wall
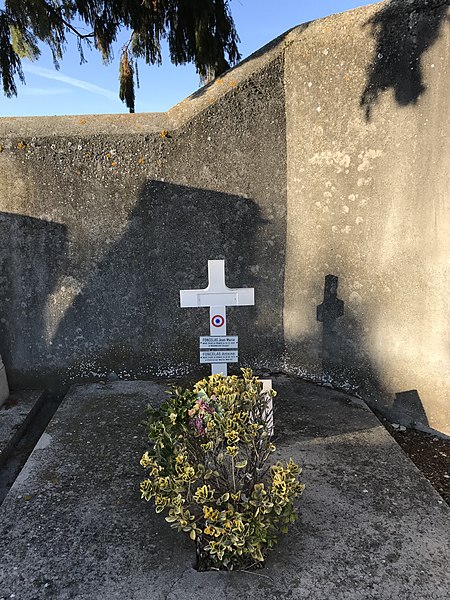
[327, 313]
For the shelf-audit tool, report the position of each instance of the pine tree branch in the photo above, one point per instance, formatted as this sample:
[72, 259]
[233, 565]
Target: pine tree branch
[82, 36]
[56, 13]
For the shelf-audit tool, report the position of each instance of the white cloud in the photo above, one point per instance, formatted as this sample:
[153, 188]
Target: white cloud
[78, 83]
[36, 91]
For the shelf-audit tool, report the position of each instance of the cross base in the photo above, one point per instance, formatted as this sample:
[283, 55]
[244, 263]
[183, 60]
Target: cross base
[219, 369]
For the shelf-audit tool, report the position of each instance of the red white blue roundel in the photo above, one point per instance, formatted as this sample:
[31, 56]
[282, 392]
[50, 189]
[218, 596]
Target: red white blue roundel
[217, 320]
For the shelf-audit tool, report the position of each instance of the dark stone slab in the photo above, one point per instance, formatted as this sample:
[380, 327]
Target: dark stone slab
[15, 416]
[73, 525]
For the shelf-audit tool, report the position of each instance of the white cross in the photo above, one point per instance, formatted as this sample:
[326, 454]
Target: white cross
[217, 296]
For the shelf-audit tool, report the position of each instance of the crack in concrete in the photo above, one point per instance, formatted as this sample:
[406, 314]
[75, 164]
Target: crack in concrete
[179, 578]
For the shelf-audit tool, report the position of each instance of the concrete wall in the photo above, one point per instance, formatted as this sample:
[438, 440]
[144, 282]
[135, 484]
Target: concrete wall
[4, 387]
[101, 228]
[326, 153]
[368, 143]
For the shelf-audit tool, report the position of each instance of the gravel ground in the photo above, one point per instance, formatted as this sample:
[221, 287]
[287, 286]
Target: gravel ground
[429, 453]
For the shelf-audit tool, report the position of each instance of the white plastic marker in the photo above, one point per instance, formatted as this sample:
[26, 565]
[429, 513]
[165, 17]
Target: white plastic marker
[217, 296]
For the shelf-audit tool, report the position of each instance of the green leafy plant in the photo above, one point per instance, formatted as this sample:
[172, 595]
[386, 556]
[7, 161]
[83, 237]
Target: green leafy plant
[209, 467]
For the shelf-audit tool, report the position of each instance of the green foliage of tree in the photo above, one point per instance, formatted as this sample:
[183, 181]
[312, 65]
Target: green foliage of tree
[197, 31]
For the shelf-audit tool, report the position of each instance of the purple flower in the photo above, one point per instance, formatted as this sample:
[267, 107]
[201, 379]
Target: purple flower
[205, 407]
[197, 424]
[197, 413]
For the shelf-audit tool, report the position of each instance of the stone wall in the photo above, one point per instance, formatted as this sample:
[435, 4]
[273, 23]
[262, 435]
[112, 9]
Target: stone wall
[325, 154]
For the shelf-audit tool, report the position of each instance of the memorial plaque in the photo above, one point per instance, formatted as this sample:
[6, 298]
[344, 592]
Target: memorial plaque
[219, 342]
[218, 356]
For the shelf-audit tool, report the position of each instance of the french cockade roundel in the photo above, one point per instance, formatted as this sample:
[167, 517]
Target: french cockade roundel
[217, 320]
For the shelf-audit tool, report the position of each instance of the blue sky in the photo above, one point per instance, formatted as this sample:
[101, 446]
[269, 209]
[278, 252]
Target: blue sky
[93, 87]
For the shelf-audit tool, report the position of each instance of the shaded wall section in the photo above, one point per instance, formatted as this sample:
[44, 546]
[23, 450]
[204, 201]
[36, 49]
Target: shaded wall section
[32, 254]
[107, 227]
[368, 133]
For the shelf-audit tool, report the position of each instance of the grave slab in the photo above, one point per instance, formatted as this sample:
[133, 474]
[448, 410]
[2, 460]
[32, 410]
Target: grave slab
[73, 524]
[15, 415]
